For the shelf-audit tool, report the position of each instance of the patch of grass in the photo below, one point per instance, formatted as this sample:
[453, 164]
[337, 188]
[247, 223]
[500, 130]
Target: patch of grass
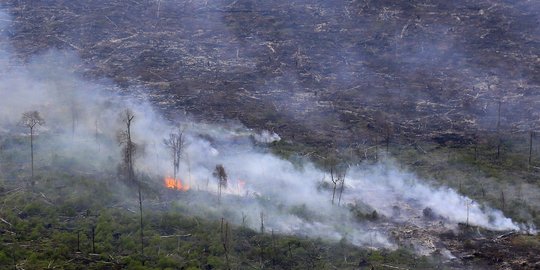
[527, 241]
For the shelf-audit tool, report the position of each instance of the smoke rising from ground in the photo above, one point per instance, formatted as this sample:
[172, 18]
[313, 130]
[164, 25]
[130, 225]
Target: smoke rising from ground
[84, 118]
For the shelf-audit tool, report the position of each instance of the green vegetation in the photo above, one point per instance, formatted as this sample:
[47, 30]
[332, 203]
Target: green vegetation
[72, 219]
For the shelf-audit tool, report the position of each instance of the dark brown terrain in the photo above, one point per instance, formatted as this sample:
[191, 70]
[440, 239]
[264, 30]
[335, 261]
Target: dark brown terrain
[458, 81]
[322, 71]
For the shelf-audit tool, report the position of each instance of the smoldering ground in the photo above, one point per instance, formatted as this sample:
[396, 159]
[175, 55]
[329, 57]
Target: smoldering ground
[84, 118]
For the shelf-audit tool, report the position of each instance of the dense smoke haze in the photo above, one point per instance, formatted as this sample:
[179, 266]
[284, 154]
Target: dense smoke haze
[433, 67]
[83, 119]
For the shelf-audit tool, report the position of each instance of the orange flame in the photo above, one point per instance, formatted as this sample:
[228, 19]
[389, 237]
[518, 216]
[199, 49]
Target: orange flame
[241, 184]
[172, 183]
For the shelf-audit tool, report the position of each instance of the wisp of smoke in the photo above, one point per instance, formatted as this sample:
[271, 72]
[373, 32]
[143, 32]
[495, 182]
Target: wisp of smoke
[84, 115]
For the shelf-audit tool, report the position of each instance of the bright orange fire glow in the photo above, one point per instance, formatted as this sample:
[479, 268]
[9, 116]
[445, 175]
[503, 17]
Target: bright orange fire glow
[172, 183]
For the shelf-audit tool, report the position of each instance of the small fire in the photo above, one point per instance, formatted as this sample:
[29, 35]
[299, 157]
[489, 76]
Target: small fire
[241, 184]
[172, 183]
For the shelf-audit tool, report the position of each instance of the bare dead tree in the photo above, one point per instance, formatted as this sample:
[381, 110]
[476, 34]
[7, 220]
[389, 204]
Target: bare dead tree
[93, 232]
[225, 241]
[389, 130]
[262, 222]
[499, 115]
[483, 190]
[343, 169]
[341, 178]
[32, 120]
[175, 143]
[129, 151]
[331, 163]
[499, 139]
[376, 142]
[78, 241]
[474, 143]
[503, 201]
[531, 136]
[244, 217]
[129, 148]
[274, 248]
[220, 174]
[383, 126]
[338, 171]
[334, 181]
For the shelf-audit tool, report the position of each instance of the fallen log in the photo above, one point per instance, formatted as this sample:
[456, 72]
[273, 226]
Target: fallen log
[176, 235]
[506, 235]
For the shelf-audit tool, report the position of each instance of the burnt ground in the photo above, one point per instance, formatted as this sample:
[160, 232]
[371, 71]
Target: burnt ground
[318, 72]
[313, 71]
[503, 251]
[463, 246]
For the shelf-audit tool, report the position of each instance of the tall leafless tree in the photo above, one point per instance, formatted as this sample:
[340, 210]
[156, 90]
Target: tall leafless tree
[129, 150]
[335, 181]
[175, 143]
[220, 174]
[338, 171]
[331, 164]
[531, 136]
[499, 130]
[341, 178]
[262, 222]
[337, 175]
[225, 241]
[32, 120]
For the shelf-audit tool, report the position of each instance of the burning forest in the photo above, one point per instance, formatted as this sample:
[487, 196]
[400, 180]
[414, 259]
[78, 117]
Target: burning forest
[100, 168]
[176, 184]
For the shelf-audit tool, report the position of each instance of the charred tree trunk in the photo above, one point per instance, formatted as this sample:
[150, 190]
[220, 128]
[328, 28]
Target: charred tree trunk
[334, 181]
[341, 191]
[224, 232]
[243, 220]
[483, 189]
[499, 141]
[387, 139]
[262, 222]
[93, 239]
[499, 148]
[503, 203]
[274, 249]
[219, 194]
[141, 220]
[129, 160]
[175, 143]
[376, 147]
[530, 147]
[32, 151]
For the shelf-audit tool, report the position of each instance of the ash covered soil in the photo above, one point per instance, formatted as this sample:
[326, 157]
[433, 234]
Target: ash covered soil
[322, 73]
[316, 71]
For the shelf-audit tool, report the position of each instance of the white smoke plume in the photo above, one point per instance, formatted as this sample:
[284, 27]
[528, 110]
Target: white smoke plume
[83, 120]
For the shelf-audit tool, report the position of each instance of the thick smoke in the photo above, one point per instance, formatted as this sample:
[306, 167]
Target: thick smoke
[384, 186]
[83, 121]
